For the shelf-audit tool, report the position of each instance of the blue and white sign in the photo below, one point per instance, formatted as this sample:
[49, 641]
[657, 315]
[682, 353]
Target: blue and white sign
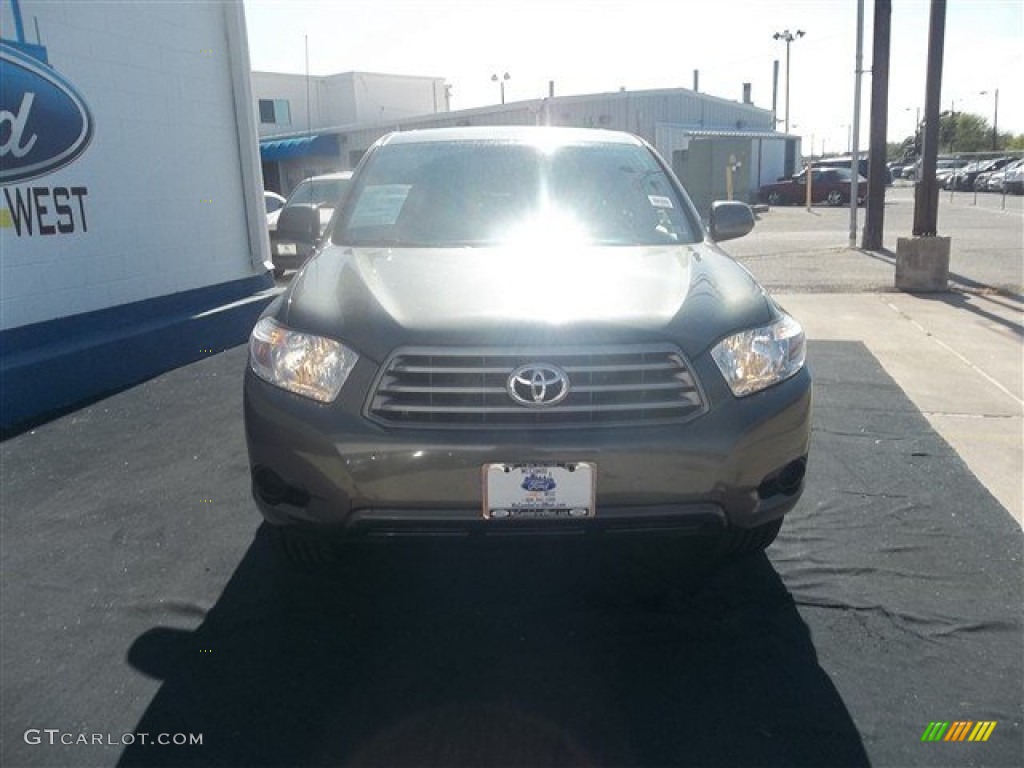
[44, 122]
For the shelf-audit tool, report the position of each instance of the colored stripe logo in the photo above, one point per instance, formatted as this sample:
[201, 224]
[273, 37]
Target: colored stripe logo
[959, 730]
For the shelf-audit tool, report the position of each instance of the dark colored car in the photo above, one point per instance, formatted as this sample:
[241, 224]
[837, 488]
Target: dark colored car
[525, 331]
[996, 180]
[304, 217]
[830, 186]
[1013, 181]
[964, 178]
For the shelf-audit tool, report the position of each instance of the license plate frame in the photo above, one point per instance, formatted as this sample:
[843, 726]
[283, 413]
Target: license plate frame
[539, 490]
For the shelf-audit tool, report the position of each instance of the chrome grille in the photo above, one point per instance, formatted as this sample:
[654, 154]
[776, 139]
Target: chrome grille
[467, 388]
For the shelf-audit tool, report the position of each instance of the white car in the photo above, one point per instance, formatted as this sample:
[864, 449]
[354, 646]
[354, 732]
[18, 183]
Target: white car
[274, 203]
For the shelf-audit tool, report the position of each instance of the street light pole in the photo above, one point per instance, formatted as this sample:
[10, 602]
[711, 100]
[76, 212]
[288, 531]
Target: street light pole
[789, 37]
[995, 120]
[501, 82]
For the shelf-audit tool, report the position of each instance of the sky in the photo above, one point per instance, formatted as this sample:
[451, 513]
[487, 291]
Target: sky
[595, 46]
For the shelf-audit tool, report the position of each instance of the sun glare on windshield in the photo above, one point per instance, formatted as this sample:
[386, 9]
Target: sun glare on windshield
[552, 230]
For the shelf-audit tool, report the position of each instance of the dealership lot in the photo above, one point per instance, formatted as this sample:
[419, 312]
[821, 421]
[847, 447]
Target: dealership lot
[139, 594]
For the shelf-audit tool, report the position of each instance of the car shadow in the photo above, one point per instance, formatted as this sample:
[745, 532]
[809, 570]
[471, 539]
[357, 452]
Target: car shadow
[510, 653]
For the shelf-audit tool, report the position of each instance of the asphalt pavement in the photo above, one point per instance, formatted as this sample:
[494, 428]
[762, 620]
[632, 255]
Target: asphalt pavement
[793, 250]
[140, 601]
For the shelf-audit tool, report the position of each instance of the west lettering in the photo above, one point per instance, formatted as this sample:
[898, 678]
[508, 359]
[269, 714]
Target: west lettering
[65, 220]
[21, 210]
[79, 193]
[42, 210]
[47, 211]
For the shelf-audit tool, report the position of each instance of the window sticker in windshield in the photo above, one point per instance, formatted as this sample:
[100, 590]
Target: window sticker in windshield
[660, 201]
[380, 205]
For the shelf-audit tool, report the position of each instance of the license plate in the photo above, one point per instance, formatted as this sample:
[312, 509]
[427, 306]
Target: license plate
[539, 491]
[286, 249]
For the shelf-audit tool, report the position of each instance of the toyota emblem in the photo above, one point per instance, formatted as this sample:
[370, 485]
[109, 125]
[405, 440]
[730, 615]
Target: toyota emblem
[538, 384]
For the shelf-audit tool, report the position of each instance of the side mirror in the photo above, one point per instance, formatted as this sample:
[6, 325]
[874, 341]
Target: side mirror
[299, 223]
[730, 219]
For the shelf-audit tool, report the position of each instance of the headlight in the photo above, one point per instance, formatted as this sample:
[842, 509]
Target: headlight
[302, 363]
[754, 360]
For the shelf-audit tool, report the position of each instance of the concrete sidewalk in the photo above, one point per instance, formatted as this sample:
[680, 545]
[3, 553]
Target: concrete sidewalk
[958, 357]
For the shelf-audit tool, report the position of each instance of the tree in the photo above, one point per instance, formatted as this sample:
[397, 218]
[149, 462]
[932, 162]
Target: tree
[964, 132]
[1011, 142]
[958, 132]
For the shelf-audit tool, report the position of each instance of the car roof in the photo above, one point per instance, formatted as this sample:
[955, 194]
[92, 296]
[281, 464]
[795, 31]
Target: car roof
[526, 134]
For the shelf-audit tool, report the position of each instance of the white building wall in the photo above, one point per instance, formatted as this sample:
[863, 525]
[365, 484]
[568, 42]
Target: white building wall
[382, 98]
[291, 88]
[163, 198]
[337, 101]
[346, 98]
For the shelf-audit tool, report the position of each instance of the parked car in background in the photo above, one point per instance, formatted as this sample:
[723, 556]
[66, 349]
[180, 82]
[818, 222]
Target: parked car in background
[898, 169]
[944, 169]
[304, 217]
[525, 331]
[995, 181]
[846, 162]
[273, 203]
[963, 179]
[830, 186]
[1013, 183]
[981, 181]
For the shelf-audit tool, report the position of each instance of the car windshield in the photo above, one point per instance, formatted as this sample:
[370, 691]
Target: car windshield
[318, 191]
[437, 194]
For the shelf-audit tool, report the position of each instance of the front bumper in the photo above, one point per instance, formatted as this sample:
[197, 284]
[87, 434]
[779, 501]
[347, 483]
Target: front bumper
[327, 467]
[320, 466]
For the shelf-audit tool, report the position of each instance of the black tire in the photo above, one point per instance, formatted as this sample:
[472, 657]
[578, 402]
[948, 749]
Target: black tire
[835, 198]
[742, 541]
[774, 198]
[278, 272]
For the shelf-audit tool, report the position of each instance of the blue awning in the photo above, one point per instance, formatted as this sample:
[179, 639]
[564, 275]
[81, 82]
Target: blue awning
[286, 149]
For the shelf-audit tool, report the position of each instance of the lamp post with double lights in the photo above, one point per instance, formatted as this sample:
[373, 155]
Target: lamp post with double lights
[995, 118]
[788, 37]
[501, 82]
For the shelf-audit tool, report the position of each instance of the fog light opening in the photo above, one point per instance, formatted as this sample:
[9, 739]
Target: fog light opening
[792, 476]
[786, 481]
[271, 488]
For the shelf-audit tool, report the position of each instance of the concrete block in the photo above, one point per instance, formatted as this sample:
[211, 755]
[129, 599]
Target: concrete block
[922, 264]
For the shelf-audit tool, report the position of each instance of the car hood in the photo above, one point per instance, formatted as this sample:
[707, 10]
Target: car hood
[376, 299]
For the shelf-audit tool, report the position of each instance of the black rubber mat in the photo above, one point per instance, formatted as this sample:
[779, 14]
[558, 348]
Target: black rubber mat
[141, 603]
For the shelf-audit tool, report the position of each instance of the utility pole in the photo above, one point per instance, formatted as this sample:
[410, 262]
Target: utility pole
[874, 218]
[926, 201]
[995, 121]
[775, 95]
[922, 261]
[858, 68]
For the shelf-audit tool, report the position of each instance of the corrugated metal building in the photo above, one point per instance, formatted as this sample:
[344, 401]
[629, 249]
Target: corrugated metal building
[712, 143]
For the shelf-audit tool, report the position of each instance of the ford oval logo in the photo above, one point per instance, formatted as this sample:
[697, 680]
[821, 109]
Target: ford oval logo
[538, 384]
[44, 122]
